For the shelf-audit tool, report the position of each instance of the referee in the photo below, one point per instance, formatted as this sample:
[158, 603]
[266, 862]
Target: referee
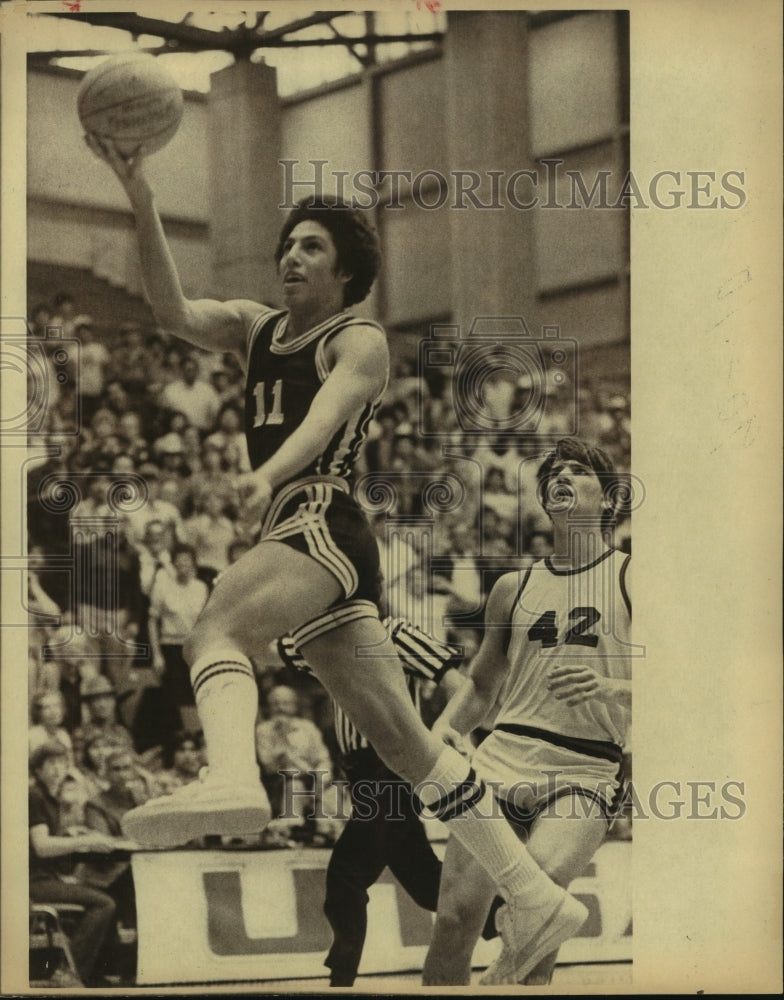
[384, 829]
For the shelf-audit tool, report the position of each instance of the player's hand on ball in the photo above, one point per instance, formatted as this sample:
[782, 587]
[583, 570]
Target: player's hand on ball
[125, 165]
[575, 684]
[255, 492]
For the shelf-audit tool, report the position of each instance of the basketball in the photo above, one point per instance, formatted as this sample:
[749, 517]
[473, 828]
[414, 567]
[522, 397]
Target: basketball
[132, 99]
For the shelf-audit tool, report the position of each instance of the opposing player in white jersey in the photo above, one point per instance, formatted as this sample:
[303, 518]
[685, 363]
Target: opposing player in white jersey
[314, 569]
[554, 667]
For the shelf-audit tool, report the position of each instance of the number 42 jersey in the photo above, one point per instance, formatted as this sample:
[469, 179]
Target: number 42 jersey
[569, 617]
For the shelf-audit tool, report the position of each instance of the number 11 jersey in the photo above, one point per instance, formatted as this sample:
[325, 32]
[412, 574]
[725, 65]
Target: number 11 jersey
[283, 377]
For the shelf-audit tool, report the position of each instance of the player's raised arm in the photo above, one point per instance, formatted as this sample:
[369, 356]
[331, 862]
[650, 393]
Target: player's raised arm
[207, 323]
[358, 374]
[478, 694]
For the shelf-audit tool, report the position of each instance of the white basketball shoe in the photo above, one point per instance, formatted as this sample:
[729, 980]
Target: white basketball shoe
[203, 808]
[529, 931]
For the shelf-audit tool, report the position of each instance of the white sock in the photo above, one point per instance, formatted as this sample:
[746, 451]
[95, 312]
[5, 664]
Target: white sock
[452, 792]
[227, 699]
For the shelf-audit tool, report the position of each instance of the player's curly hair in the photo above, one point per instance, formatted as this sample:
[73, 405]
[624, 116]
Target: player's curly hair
[354, 236]
[575, 450]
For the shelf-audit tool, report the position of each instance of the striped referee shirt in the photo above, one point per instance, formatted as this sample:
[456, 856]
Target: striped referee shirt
[424, 658]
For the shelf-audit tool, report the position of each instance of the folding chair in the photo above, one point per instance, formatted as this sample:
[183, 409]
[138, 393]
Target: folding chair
[50, 952]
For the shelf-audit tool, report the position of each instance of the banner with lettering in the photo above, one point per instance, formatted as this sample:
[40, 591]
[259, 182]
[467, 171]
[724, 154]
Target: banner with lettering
[237, 916]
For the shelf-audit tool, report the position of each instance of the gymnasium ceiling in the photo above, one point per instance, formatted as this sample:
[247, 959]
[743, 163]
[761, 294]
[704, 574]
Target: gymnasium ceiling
[343, 42]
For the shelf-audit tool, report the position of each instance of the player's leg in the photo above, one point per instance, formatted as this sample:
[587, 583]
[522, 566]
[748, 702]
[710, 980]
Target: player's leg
[411, 858]
[371, 689]
[357, 861]
[562, 840]
[267, 592]
[463, 904]
[564, 844]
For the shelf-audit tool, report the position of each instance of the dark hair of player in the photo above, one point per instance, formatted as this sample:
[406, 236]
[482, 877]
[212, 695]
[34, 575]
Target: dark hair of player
[575, 450]
[354, 236]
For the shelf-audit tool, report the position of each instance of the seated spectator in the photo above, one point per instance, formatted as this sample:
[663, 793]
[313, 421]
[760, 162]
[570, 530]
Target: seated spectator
[221, 382]
[129, 429]
[40, 319]
[123, 465]
[48, 712]
[94, 360]
[213, 478]
[116, 399]
[174, 472]
[295, 763]
[497, 496]
[210, 533]
[183, 758]
[64, 313]
[129, 360]
[127, 787]
[191, 396]
[191, 445]
[230, 429]
[52, 862]
[99, 698]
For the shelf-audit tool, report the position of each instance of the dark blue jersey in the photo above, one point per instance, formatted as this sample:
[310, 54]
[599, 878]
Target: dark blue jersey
[282, 381]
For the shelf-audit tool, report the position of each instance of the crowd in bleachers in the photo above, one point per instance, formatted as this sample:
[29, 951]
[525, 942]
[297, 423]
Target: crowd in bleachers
[108, 682]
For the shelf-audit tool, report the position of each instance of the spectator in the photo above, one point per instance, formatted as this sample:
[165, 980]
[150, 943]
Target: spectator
[213, 478]
[154, 555]
[127, 787]
[293, 756]
[40, 319]
[230, 430]
[129, 430]
[380, 449]
[496, 495]
[210, 533]
[116, 399]
[182, 761]
[196, 399]
[52, 861]
[223, 384]
[123, 465]
[94, 359]
[64, 313]
[48, 712]
[191, 446]
[173, 470]
[73, 669]
[155, 509]
[175, 604]
[130, 361]
[99, 698]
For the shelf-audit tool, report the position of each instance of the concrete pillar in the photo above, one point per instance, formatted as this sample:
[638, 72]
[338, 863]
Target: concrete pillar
[244, 137]
[487, 130]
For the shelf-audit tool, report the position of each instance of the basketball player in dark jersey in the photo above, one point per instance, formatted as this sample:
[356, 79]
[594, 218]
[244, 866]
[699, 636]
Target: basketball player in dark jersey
[314, 572]
[554, 668]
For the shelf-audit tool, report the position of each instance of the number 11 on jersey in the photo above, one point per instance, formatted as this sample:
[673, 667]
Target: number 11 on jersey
[275, 416]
